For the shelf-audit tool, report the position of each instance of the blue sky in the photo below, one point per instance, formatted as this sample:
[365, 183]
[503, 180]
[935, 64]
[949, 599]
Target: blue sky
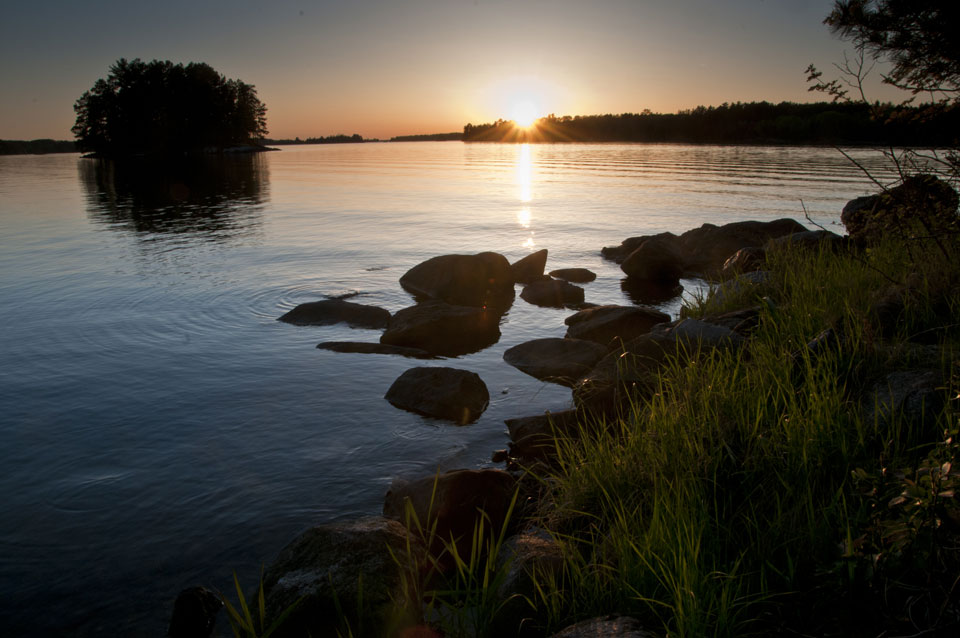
[390, 68]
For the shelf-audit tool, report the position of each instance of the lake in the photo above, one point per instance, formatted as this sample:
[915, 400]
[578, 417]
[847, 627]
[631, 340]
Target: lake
[159, 428]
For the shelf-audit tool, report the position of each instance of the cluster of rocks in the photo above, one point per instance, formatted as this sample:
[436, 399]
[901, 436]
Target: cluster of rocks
[355, 571]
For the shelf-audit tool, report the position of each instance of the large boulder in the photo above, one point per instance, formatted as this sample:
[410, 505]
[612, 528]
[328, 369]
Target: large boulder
[658, 259]
[363, 347]
[619, 253]
[922, 203]
[705, 249]
[552, 293]
[533, 438]
[442, 329]
[574, 275]
[460, 396]
[479, 280]
[456, 501]
[530, 268]
[345, 575]
[331, 311]
[610, 326]
[560, 361]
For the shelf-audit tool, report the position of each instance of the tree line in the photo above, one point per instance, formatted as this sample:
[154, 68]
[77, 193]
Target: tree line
[161, 108]
[742, 123]
[330, 139]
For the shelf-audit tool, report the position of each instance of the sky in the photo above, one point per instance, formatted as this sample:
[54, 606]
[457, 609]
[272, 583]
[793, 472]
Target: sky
[386, 68]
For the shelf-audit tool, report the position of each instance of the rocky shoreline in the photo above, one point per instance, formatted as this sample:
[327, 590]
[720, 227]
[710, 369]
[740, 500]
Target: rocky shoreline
[608, 354]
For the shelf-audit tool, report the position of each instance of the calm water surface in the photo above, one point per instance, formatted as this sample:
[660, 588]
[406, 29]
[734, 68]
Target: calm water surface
[159, 428]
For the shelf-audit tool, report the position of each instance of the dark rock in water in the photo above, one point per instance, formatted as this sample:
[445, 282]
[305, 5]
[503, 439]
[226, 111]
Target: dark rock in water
[606, 627]
[705, 249]
[530, 268]
[344, 572]
[454, 500]
[610, 326]
[574, 275]
[560, 361]
[898, 211]
[194, 613]
[442, 329]
[374, 348]
[331, 311]
[649, 292]
[619, 253]
[445, 393]
[658, 259]
[552, 293]
[744, 260]
[479, 280]
[533, 437]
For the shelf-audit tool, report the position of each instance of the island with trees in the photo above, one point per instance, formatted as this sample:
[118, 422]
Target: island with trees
[159, 109]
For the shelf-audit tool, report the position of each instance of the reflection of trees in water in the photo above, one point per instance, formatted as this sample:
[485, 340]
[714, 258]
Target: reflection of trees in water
[218, 197]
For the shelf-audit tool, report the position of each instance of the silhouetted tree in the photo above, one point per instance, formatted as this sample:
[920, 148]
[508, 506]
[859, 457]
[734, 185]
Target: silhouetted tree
[161, 107]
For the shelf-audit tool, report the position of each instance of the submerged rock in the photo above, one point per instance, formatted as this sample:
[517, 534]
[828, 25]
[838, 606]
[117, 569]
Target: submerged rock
[443, 329]
[610, 326]
[560, 361]
[552, 293]
[530, 268]
[374, 348]
[457, 395]
[332, 311]
[574, 275]
[484, 279]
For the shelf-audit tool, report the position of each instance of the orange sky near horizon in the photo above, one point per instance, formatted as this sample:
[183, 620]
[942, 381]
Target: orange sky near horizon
[383, 69]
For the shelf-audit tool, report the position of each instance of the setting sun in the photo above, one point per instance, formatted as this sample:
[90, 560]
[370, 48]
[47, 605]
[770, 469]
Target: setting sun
[524, 113]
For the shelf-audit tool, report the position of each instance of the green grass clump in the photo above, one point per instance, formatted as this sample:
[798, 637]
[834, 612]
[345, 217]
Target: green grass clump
[750, 494]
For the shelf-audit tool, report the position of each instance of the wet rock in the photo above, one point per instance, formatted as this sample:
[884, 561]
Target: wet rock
[619, 253]
[485, 279]
[658, 259]
[610, 326]
[443, 329]
[560, 361]
[454, 500]
[332, 311]
[339, 569]
[374, 348]
[456, 395]
[552, 293]
[194, 613]
[574, 275]
[606, 627]
[530, 268]
[533, 438]
[649, 292]
[898, 211]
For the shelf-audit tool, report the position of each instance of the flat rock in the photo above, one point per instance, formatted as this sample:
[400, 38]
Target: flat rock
[552, 293]
[560, 361]
[610, 326]
[530, 268]
[574, 275]
[484, 279]
[456, 395]
[443, 329]
[339, 568]
[374, 348]
[332, 311]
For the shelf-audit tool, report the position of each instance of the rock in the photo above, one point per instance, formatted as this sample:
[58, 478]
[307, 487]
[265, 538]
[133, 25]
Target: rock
[444, 393]
[744, 260]
[917, 396]
[442, 329]
[374, 348]
[454, 500]
[699, 335]
[331, 311]
[194, 613]
[743, 321]
[530, 268]
[610, 326]
[619, 253]
[340, 569]
[485, 279]
[552, 293]
[705, 249]
[810, 240]
[533, 438]
[526, 558]
[560, 361]
[574, 275]
[734, 288]
[606, 627]
[900, 210]
[658, 259]
[643, 292]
